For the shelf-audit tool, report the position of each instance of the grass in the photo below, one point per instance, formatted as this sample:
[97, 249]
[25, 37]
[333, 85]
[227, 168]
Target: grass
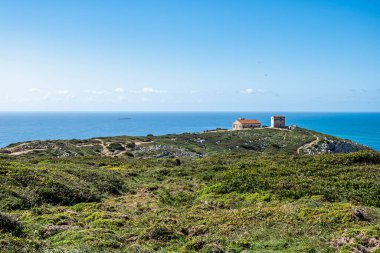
[258, 141]
[25, 185]
[231, 200]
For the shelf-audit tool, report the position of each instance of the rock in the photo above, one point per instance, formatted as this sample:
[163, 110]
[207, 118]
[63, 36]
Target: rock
[329, 146]
[124, 216]
[359, 214]
[131, 239]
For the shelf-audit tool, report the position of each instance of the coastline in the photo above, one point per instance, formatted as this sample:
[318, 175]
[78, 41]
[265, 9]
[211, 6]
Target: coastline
[21, 126]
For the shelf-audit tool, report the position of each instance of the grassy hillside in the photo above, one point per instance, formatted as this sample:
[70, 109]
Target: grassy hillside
[190, 193]
[258, 141]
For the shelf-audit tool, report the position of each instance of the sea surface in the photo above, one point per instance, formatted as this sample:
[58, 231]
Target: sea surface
[15, 127]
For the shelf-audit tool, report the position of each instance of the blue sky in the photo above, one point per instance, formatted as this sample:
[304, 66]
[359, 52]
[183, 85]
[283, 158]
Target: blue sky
[198, 55]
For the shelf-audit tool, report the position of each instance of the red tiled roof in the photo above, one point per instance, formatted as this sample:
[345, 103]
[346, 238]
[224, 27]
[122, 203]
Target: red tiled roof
[249, 121]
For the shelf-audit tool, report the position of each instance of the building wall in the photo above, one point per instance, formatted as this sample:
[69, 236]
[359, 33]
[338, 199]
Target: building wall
[277, 121]
[238, 126]
[251, 125]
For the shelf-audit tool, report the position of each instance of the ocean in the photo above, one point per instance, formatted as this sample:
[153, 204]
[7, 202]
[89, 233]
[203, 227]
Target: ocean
[15, 127]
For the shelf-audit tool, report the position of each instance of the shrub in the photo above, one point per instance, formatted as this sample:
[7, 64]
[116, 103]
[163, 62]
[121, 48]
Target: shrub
[297, 178]
[176, 199]
[10, 224]
[116, 146]
[160, 233]
[24, 187]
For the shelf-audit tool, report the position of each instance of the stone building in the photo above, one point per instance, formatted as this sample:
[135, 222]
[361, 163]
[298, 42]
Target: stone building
[277, 121]
[242, 123]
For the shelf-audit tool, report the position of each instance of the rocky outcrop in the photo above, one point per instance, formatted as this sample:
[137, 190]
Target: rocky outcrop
[330, 146]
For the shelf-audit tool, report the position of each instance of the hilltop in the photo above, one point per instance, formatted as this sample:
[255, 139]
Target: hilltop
[261, 190]
[262, 140]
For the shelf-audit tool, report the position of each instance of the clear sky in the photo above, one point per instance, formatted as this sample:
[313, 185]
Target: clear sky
[195, 55]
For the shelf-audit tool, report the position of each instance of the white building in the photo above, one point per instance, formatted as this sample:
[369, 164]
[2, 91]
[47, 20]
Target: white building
[242, 123]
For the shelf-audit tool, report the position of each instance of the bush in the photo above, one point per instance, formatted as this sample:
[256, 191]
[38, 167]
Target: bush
[116, 146]
[160, 233]
[24, 187]
[10, 224]
[176, 199]
[297, 178]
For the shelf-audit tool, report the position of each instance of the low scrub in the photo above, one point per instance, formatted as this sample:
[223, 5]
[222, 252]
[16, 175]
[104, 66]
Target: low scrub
[352, 177]
[28, 185]
[227, 202]
[10, 224]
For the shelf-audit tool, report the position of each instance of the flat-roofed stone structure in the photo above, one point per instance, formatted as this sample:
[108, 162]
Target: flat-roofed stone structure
[277, 121]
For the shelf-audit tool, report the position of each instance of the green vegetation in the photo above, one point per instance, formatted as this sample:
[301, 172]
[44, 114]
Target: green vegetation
[25, 185]
[207, 195]
[299, 177]
[258, 141]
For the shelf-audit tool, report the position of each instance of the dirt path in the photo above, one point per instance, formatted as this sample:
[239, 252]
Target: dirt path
[138, 143]
[310, 144]
[21, 149]
[122, 153]
[85, 145]
[105, 151]
[27, 151]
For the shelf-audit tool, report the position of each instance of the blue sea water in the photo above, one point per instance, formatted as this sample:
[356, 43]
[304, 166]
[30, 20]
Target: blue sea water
[25, 126]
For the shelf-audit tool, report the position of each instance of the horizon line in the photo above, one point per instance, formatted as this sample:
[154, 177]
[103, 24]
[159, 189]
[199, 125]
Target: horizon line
[195, 111]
